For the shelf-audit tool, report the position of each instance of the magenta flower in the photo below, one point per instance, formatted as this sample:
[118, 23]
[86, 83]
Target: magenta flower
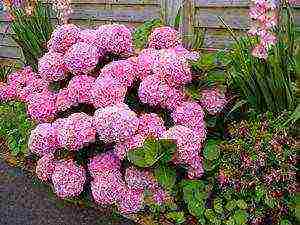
[79, 88]
[107, 91]
[155, 92]
[75, 132]
[115, 123]
[51, 66]
[42, 106]
[43, 140]
[213, 101]
[104, 164]
[123, 71]
[107, 188]
[191, 115]
[45, 167]
[146, 60]
[131, 201]
[81, 58]
[151, 125]
[189, 145]
[163, 38]
[68, 179]
[63, 37]
[64, 100]
[115, 38]
[173, 68]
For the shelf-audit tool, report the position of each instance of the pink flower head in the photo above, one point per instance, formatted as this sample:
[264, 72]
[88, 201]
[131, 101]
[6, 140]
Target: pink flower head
[107, 91]
[64, 100]
[75, 132]
[191, 115]
[108, 188]
[79, 88]
[189, 145]
[115, 123]
[131, 201]
[42, 106]
[51, 66]
[181, 51]
[68, 179]
[104, 164]
[213, 100]
[18, 80]
[6, 92]
[260, 51]
[123, 71]
[45, 167]
[115, 38]
[151, 125]
[146, 60]
[88, 36]
[36, 85]
[163, 38]
[63, 37]
[43, 140]
[133, 142]
[155, 92]
[173, 68]
[81, 58]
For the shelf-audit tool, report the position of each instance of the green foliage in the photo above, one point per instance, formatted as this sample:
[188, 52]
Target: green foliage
[141, 33]
[32, 32]
[211, 150]
[257, 149]
[5, 70]
[177, 217]
[152, 152]
[15, 127]
[165, 176]
[267, 85]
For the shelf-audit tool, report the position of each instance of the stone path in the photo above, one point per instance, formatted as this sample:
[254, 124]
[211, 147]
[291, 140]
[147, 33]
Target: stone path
[22, 202]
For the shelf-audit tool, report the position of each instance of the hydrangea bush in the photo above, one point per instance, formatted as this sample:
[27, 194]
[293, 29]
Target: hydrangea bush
[99, 70]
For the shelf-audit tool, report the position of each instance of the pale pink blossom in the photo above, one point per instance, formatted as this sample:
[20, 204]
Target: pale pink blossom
[189, 145]
[45, 167]
[63, 37]
[191, 115]
[163, 38]
[213, 100]
[68, 179]
[107, 91]
[115, 123]
[51, 66]
[81, 58]
[124, 71]
[43, 139]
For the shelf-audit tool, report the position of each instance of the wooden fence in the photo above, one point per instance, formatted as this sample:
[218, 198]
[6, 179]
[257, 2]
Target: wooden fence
[197, 14]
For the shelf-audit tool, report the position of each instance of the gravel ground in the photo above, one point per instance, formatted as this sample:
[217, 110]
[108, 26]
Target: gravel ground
[24, 202]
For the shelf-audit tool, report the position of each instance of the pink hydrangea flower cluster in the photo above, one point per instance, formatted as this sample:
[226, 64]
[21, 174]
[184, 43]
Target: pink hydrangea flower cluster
[189, 145]
[109, 187]
[68, 179]
[162, 70]
[164, 37]
[264, 12]
[72, 133]
[191, 115]
[213, 100]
